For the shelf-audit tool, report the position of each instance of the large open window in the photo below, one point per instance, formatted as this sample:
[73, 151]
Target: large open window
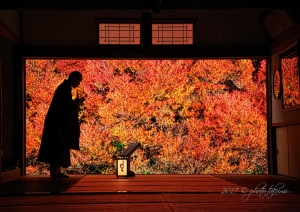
[191, 116]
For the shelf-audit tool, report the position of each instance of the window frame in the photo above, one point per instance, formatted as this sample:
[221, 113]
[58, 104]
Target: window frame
[118, 21]
[175, 21]
[148, 24]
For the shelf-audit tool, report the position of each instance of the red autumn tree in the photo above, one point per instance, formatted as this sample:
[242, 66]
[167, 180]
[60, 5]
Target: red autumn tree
[191, 116]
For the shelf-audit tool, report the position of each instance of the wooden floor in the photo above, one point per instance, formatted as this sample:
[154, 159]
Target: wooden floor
[151, 193]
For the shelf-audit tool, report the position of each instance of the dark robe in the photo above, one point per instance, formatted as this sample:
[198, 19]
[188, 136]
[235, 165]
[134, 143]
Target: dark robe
[61, 128]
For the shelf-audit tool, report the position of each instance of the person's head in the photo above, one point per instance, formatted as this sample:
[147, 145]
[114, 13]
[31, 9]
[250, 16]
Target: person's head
[75, 78]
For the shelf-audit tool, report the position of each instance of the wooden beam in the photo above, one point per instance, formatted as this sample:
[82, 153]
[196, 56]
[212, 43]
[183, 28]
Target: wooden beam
[10, 174]
[286, 123]
[144, 52]
[146, 4]
[286, 39]
[8, 33]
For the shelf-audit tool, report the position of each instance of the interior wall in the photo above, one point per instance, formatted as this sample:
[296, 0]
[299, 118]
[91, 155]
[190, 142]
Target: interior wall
[279, 115]
[7, 100]
[67, 28]
[9, 35]
[288, 148]
[214, 28]
[294, 149]
[12, 19]
[286, 124]
[1, 152]
[282, 151]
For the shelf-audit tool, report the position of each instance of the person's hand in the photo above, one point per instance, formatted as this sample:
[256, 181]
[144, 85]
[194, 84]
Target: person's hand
[77, 102]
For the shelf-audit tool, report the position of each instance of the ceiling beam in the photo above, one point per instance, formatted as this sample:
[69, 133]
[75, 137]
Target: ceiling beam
[8, 33]
[123, 5]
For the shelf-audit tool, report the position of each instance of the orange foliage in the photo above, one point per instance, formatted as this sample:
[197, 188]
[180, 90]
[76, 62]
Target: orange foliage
[290, 81]
[191, 116]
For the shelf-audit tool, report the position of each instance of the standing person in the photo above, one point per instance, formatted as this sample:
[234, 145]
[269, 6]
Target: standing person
[61, 128]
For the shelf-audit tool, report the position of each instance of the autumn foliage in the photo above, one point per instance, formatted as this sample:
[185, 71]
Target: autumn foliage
[190, 116]
[290, 81]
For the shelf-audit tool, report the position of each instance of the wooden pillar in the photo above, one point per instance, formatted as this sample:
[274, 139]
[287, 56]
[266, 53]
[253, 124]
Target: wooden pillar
[146, 30]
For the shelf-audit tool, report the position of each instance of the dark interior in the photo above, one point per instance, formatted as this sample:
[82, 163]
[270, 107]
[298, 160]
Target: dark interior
[68, 29]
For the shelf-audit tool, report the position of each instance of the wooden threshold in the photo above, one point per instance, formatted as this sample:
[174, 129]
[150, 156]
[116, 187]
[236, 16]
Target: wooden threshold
[9, 175]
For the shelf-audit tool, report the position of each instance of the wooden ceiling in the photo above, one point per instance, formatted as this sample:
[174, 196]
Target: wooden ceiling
[226, 22]
[124, 5]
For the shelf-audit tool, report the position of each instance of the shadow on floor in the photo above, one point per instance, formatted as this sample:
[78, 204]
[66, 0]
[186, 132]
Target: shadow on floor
[144, 183]
[147, 193]
[37, 184]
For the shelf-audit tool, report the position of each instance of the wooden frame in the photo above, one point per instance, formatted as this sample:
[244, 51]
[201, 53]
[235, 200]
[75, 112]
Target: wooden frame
[116, 34]
[277, 84]
[191, 35]
[276, 22]
[289, 65]
[146, 32]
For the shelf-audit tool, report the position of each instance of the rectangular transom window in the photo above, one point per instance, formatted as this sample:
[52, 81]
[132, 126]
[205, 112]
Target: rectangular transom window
[172, 34]
[119, 33]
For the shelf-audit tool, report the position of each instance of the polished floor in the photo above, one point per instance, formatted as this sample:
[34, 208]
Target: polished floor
[151, 193]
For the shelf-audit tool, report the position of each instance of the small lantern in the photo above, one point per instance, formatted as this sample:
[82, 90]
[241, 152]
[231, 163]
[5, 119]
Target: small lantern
[123, 161]
[121, 165]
